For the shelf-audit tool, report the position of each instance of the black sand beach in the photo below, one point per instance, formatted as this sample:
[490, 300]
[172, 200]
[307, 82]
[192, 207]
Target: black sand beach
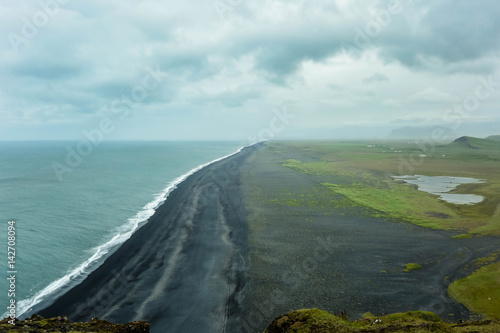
[184, 270]
[221, 256]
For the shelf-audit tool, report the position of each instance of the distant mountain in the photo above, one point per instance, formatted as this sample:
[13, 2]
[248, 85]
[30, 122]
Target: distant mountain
[435, 133]
[475, 143]
[466, 141]
[493, 137]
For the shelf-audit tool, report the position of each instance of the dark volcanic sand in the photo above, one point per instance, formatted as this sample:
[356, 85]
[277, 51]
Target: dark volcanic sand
[183, 271]
[333, 258]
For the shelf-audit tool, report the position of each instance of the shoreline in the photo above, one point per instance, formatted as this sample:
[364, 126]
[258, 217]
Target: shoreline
[191, 252]
[75, 276]
[246, 240]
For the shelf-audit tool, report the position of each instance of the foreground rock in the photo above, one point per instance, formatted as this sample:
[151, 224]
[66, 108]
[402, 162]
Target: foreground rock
[317, 321]
[61, 324]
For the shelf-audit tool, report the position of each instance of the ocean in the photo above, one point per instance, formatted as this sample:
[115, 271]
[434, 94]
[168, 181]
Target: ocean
[70, 216]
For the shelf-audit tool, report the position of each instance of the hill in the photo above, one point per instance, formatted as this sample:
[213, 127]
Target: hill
[475, 143]
[493, 137]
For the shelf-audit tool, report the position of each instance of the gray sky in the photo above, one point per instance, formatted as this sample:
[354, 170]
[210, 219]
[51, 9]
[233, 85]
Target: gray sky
[233, 69]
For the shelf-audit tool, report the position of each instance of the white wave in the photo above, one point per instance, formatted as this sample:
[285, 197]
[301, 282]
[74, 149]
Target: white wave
[124, 233]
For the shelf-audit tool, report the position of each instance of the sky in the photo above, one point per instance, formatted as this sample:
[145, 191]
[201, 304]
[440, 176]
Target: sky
[245, 70]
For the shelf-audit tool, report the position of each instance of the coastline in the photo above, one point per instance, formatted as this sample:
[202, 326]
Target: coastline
[184, 269]
[246, 240]
[79, 270]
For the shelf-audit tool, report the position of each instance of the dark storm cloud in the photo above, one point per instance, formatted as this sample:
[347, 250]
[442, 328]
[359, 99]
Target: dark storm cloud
[282, 53]
[447, 32]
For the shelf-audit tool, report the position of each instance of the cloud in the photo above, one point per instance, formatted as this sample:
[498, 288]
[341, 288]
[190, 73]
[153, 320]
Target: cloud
[230, 98]
[391, 103]
[443, 33]
[259, 55]
[432, 94]
[377, 77]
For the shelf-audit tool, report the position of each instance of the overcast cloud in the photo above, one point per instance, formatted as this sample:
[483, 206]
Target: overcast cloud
[219, 69]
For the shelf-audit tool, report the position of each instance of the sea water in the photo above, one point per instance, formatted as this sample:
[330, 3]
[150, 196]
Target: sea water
[67, 225]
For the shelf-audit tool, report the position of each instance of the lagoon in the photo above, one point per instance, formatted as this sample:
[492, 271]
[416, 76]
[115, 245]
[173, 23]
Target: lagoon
[441, 185]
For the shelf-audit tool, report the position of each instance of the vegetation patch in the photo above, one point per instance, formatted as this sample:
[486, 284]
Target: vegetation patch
[439, 215]
[289, 202]
[480, 292]
[295, 165]
[487, 260]
[411, 267]
[317, 321]
[400, 202]
[61, 324]
[462, 236]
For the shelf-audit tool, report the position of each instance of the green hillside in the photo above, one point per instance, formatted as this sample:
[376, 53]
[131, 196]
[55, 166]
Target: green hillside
[476, 143]
[472, 148]
[493, 137]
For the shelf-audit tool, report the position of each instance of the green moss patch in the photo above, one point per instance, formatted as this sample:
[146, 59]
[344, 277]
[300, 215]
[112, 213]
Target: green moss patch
[480, 292]
[400, 202]
[411, 267]
[462, 236]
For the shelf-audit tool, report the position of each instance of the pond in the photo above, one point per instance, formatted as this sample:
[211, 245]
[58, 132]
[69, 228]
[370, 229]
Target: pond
[441, 185]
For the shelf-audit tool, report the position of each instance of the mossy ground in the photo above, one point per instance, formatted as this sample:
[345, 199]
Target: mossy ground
[317, 321]
[480, 291]
[411, 267]
[61, 324]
